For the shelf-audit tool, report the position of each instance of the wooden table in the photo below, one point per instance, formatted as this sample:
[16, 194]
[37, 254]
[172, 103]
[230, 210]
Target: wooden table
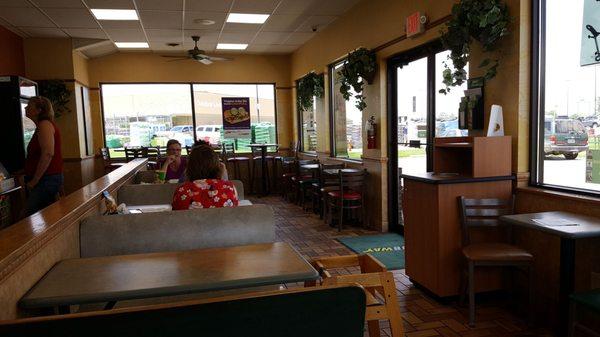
[116, 278]
[344, 170]
[263, 154]
[587, 227]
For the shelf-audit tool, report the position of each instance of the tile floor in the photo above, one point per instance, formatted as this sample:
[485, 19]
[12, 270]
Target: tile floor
[422, 315]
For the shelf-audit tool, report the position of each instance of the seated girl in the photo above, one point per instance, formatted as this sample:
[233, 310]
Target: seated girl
[174, 164]
[204, 188]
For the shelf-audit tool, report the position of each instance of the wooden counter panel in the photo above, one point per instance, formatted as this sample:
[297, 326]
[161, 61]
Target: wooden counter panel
[30, 247]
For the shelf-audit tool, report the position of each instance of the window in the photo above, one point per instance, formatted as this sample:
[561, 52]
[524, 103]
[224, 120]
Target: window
[308, 126]
[566, 100]
[146, 115]
[207, 104]
[151, 114]
[346, 123]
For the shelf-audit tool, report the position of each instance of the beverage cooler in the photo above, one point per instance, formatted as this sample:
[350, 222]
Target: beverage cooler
[16, 130]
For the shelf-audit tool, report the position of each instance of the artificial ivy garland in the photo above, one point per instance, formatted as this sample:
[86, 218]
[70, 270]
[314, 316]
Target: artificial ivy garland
[360, 66]
[309, 86]
[487, 22]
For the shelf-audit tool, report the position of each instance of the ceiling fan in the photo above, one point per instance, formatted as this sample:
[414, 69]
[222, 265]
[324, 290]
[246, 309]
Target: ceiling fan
[198, 54]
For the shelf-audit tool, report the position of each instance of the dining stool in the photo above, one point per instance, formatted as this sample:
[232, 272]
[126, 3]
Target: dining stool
[379, 285]
[228, 156]
[484, 214]
[257, 158]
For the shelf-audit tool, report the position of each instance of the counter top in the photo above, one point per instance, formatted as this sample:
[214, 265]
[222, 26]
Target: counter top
[448, 178]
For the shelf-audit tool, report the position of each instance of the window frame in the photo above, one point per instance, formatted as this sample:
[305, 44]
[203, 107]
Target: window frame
[537, 105]
[192, 103]
[332, 154]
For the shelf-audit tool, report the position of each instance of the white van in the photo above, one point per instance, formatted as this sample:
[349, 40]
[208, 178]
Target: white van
[209, 133]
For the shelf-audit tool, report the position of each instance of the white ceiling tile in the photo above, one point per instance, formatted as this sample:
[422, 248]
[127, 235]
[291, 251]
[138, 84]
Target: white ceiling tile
[25, 17]
[254, 6]
[219, 18]
[333, 7]
[126, 35]
[296, 7]
[14, 3]
[241, 27]
[119, 24]
[270, 38]
[316, 21]
[236, 37]
[162, 46]
[161, 19]
[164, 35]
[299, 38]
[205, 36]
[86, 33]
[59, 3]
[44, 32]
[208, 5]
[174, 5]
[272, 48]
[283, 23]
[110, 4]
[72, 17]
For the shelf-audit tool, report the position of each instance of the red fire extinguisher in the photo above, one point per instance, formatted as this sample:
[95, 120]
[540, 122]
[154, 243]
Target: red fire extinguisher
[371, 133]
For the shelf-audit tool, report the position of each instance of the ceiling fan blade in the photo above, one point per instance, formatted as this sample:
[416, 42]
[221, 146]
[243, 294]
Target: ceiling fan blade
[205, 61]
[215, 58]
[179, 56]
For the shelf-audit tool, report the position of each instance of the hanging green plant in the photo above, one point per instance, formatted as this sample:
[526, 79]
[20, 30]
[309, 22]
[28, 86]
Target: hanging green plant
[58, 93]
[485, 21]
[309, 86]
[360, 66]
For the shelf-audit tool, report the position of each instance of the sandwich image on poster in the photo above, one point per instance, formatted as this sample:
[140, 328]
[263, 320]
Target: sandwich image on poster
[236, 117]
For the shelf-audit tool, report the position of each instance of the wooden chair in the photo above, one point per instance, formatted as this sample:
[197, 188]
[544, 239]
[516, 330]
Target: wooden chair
[382, 301]
[315, 312]
[477, 213]
[109, 165]
[134, 152]
[154, 156]
[302, 179]
[327, 183]
[350, 196]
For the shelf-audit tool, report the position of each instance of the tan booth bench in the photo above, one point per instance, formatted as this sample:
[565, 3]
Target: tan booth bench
[157, 194]
[107, 235]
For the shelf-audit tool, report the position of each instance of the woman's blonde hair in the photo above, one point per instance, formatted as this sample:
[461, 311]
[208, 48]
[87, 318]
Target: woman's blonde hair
[44, 105]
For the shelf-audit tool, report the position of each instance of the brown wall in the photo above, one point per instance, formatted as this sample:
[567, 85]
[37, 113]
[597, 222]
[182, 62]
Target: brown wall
[149, 67]
[12, 59]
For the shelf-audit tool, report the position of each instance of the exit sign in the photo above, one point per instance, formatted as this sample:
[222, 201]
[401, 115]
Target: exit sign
[414, 25]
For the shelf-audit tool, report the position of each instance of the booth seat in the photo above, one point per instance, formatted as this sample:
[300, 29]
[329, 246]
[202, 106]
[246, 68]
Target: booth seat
[120, 234]
[157, 194]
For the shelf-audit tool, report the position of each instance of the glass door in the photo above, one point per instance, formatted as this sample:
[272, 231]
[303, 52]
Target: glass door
[420, 113]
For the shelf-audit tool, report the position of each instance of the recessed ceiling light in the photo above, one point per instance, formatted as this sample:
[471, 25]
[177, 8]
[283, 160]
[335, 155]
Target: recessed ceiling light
[247, 18]
[115, 14]
[204, 22]
[232, 46]
[134, 45]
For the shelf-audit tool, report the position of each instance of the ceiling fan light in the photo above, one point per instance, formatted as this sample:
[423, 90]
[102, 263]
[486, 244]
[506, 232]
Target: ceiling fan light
[247, 18]
[232, 46]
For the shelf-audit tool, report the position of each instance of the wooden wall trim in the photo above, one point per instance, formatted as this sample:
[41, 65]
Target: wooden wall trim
[560, 195]
[27, 237]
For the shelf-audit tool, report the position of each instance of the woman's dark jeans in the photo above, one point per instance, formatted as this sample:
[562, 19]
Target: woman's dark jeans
[44, 193]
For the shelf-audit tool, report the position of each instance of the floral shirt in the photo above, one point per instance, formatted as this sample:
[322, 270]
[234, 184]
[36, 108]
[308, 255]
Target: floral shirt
[205, 193]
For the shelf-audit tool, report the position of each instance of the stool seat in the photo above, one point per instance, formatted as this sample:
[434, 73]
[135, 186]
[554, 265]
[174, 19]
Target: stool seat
[346, 195]
[495, 252]
[238, 159]
[260, 158]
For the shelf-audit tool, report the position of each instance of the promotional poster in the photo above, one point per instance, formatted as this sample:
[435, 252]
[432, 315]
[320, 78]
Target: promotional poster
[236, 117]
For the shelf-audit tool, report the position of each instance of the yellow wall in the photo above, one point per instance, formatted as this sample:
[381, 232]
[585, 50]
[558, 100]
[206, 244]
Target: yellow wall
[373, 22]
[149, 67]
[80, 68]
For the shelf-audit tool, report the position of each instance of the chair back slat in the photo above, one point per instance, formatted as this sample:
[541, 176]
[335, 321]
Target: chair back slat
[352, 180]
[134, 152]
[482, 213]
[328, 179]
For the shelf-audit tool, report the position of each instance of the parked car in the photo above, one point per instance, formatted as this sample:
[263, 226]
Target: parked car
[182, 128]
[590, 121]
[209, 133]
[564, 136]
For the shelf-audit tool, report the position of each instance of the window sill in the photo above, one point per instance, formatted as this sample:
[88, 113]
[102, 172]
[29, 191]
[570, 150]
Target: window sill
[564, 195]
[348, 160]
[309, 154]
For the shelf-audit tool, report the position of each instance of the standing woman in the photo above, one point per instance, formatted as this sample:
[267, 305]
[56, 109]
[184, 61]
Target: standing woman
[44, 163]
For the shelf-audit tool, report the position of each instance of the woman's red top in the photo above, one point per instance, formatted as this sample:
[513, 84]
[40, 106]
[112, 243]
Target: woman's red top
[205, 193]
[34, 153]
